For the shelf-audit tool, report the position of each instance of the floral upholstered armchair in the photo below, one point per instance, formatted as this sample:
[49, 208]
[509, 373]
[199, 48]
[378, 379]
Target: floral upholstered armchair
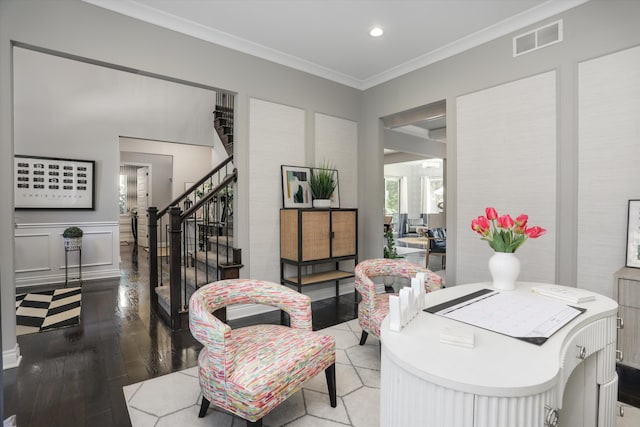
[374, 307]
[249, 371]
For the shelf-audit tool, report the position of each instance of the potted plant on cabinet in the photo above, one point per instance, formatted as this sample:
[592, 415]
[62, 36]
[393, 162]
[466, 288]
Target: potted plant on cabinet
[72, 238]
[322, 185]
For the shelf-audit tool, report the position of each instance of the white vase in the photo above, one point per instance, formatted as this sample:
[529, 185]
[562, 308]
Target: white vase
[505, 269]
[321, 203]
[72, 243]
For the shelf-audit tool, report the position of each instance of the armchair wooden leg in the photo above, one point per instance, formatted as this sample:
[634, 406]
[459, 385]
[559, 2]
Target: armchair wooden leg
[257, 423]
[363, 337]
[330, 373]
[203, 407]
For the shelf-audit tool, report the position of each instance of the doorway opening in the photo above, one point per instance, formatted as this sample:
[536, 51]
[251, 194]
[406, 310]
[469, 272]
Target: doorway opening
[415, 151]
[392, 196]
[134, 199]
[415, 175]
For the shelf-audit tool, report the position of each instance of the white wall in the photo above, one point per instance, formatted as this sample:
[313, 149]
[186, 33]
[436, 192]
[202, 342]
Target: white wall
[82, 109]
[507, 160]
[190, 162]
[276, 137]
[609, 103]
[336, 141]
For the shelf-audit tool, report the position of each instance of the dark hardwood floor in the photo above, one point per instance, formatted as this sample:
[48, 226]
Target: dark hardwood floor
[74, 376]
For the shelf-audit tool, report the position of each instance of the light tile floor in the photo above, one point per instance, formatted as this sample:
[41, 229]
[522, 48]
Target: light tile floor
[174, 399]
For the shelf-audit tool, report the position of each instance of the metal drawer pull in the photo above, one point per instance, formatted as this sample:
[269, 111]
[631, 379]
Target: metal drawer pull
[620, 411]
[619, 357]
[619, 323]
[551, 419]
[582, 352]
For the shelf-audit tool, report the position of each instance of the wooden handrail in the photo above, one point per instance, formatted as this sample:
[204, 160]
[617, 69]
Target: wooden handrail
[223, 184]
[196, 185]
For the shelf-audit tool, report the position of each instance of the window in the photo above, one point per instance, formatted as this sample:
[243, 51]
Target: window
[123, 194]
[392, 197]
[432, 195]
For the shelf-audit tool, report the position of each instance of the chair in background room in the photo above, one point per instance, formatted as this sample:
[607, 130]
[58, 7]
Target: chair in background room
[388, 223]
[249, 371]
[413, 223]
[437, 244]
[374, 307]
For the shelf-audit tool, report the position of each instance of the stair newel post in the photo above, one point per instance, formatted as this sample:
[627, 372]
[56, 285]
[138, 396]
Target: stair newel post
[153, 254]
[175, 224]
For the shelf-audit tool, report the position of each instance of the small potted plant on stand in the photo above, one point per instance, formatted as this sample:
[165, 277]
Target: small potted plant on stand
[72, 238]
[322, 186]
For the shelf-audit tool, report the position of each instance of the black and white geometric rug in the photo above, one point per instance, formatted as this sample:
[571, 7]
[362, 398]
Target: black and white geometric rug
[43, 311]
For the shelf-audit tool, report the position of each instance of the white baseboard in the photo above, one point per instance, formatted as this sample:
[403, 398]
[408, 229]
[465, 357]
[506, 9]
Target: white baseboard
[11, 358]
[52, 279]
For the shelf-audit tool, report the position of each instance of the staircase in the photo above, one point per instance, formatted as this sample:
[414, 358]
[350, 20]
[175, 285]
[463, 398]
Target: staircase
[191, 240]
[223, 120]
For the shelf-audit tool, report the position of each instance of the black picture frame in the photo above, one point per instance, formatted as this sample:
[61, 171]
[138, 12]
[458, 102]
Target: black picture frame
[633, 234]
[53, 183]
[296, 192]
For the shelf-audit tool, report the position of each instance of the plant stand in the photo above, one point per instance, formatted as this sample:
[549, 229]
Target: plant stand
[66, 265]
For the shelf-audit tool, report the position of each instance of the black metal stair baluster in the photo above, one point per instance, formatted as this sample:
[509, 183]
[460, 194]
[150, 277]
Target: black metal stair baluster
[153, 260]
[185, 263]
[175, 267]
[156, 245]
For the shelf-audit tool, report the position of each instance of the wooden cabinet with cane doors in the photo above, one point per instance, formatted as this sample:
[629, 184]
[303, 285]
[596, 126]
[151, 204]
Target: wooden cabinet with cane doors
[326, 239]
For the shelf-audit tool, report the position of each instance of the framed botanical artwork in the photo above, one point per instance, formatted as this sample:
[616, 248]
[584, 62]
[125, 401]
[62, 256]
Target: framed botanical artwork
[295, 187]
[53, 183]
[335, 196]
[633, 234]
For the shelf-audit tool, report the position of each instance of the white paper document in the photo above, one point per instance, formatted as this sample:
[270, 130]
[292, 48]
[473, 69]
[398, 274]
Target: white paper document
[522, 316]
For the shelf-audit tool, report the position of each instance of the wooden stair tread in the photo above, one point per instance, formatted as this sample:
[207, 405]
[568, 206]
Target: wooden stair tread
[201, 276]
[222, 240]
[210, 259]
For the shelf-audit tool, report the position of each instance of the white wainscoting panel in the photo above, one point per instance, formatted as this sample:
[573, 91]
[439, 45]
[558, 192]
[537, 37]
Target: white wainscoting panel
[276, 137]
[40, 253]
[32, 252]
[609, 153]
[506, 151]
[96, 250]
[337, 143]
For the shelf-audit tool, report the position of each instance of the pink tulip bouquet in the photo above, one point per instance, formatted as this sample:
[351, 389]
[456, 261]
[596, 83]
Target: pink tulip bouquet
[503, 233]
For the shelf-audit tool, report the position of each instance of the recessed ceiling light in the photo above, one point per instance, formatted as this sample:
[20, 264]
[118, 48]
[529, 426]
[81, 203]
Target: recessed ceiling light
[376, 32]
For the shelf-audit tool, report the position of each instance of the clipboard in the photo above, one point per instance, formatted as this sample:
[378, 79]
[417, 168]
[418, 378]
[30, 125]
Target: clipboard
[521, 316]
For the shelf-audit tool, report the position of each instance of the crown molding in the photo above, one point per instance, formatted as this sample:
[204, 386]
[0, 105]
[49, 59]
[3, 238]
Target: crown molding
[153, 16]
[507, 26]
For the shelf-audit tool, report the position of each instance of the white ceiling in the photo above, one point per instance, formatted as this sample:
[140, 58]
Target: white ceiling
[329, 38]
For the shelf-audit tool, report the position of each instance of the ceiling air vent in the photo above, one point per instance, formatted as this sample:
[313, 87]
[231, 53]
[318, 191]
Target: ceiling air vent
[538, 38]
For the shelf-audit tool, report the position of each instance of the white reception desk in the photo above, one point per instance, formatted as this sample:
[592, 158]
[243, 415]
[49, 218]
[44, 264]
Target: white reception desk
[501, 381]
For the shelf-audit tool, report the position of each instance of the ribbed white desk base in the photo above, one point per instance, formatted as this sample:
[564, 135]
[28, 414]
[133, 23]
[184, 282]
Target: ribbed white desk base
[407, 400]
[421, 384]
